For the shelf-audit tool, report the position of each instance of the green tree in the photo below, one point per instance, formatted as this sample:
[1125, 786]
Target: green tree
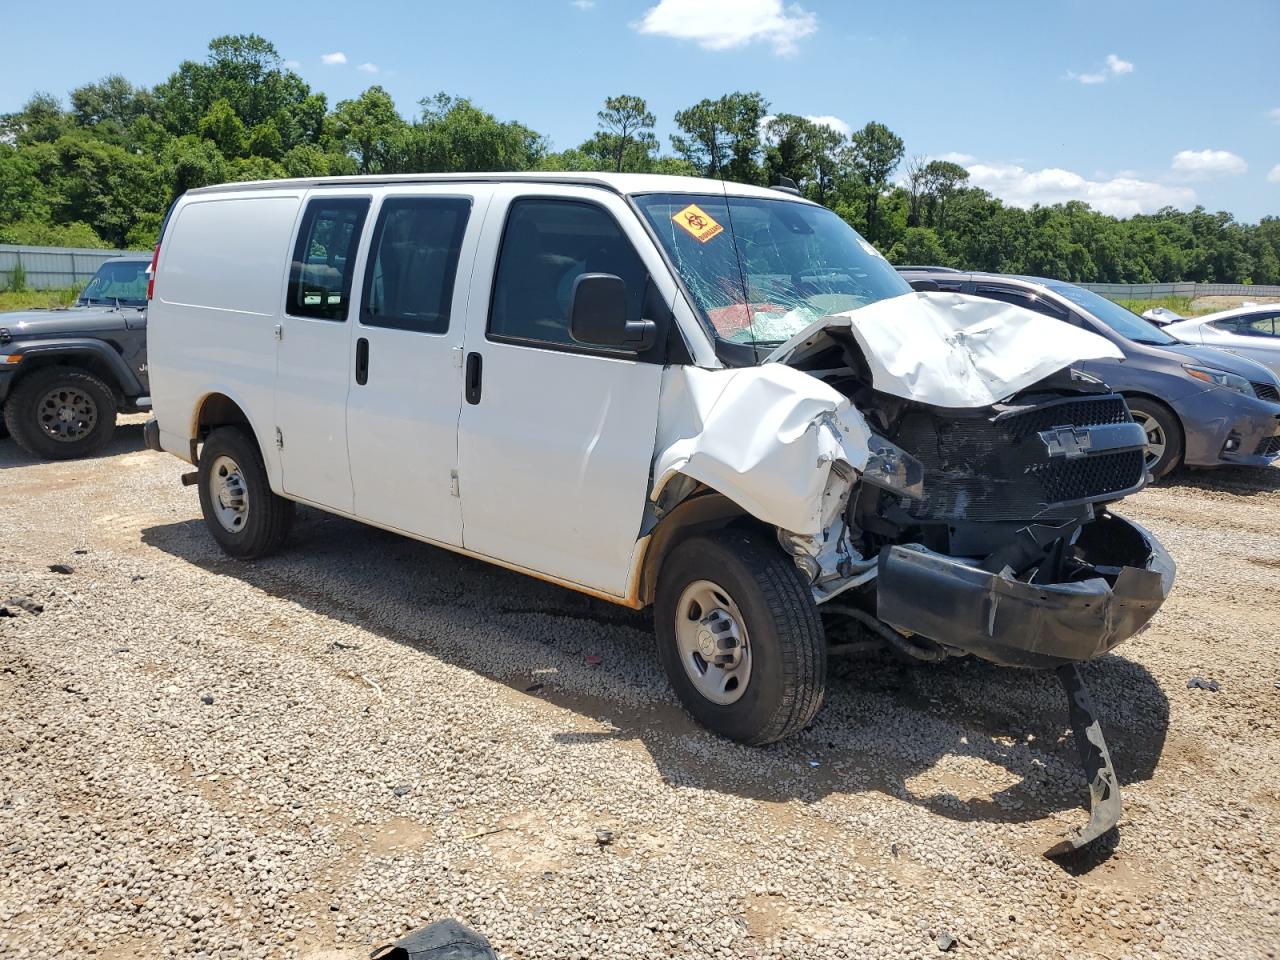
[455, 135]
[803, 151]
[721, 138]
[372, 131]
[222, 126]
[625, 140]
[875, 152]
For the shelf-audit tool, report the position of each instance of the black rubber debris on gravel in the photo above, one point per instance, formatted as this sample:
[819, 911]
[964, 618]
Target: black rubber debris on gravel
[61, 568]
[1200, 683]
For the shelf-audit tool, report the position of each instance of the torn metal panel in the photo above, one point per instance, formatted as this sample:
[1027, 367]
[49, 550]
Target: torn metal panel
[781, 444]
[950, 349]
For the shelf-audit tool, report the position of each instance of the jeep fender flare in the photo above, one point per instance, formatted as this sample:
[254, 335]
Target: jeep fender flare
[124, 380]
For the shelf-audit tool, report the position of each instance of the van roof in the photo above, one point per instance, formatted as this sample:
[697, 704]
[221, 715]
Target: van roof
[621, 183]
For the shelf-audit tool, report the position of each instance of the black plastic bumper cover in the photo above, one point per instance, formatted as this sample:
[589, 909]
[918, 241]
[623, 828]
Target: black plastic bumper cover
[1010, 622]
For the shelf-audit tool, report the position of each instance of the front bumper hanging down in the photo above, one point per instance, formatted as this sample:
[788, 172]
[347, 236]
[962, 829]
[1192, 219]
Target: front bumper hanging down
[1105, 805]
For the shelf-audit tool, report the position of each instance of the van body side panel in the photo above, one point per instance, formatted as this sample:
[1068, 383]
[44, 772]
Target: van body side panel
[211, 321]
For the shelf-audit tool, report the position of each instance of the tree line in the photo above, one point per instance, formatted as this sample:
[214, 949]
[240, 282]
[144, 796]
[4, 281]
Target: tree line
[102, 170]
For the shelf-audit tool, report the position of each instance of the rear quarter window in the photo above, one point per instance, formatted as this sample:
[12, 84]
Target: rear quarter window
[228, 253]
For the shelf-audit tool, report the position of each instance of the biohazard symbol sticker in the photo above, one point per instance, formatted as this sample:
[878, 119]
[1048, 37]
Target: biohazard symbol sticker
[698, 222]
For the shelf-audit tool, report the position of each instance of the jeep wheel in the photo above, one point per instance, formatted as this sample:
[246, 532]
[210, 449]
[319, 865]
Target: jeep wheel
[739, 636]
[60, 413]
[244, 516]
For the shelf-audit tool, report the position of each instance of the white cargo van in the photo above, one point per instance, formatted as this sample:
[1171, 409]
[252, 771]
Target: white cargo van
[714, 398]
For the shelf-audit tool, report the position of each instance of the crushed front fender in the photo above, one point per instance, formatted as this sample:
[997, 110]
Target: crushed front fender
[1008, 621]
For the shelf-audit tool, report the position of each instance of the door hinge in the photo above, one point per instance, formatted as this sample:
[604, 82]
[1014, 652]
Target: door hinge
[457, 357]
[279, 439]
[279, 331]
[453, 483]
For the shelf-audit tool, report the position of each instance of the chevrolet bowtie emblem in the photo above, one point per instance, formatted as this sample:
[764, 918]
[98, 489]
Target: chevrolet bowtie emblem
[1069, 442]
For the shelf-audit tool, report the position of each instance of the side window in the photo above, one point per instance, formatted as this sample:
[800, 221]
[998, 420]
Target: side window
[1263, 326]
[1025, 300]
[413, 260]
[324, 258]
[547, 245]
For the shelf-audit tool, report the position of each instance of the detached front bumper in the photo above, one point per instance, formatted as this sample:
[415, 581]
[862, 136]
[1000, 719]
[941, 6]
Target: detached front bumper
[1021, 624]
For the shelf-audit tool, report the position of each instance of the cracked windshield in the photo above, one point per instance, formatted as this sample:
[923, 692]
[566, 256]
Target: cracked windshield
[762, 270]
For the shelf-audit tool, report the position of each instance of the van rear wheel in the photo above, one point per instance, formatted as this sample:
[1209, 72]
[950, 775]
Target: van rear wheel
[246, 518]
[739, 636]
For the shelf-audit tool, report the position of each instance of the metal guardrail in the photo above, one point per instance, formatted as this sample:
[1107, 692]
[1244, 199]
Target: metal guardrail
[55, 268]
[1156, 291]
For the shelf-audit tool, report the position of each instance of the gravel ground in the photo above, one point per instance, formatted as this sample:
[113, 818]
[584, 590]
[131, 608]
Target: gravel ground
[309, 755]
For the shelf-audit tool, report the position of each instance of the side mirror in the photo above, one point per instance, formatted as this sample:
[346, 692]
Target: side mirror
[925, 286]
[598, 316]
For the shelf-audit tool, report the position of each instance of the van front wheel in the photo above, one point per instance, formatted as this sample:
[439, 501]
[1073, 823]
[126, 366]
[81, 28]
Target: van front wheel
[739, 636]
[244, 516]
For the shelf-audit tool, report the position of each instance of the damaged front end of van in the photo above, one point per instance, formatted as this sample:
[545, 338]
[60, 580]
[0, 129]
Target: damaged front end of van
[944, 480]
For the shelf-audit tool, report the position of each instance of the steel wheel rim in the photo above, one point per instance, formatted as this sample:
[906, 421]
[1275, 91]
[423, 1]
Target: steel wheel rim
[711, 637]
[228, 494]
[67, 414]
[1156, 441]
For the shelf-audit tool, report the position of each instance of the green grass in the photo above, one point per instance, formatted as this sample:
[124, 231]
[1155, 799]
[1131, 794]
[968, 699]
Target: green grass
[31, 299]
[1180, 305]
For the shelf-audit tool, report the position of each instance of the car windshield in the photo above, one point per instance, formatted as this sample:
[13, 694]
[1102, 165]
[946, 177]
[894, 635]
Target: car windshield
[1124, 322]
[762, 270]
[118, 280]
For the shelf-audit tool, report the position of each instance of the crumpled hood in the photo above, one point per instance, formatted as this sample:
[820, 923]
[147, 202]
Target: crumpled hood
[73, 321]
[950, 349]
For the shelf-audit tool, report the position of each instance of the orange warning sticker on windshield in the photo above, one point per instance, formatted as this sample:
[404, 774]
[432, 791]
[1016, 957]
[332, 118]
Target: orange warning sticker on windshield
[698, 222]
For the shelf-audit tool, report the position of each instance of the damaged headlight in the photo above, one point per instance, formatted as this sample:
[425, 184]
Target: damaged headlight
[892, 468]
[1220, 378]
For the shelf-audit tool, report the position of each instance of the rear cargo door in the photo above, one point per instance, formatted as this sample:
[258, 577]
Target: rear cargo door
[314, 358]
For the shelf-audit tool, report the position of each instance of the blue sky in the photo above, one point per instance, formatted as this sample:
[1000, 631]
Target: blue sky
[1129, 104]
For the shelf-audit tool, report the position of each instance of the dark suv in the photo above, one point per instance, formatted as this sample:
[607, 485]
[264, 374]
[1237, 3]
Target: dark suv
[65, 374]
[1199, 406]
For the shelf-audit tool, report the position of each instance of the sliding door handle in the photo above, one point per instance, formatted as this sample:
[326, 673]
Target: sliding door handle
[362, 361]
[475, 365]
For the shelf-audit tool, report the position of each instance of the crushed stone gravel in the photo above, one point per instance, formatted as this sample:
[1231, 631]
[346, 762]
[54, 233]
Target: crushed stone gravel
[313, 754]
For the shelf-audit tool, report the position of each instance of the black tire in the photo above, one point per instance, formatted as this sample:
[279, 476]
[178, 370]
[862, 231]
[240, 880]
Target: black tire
[1154, 414]
[61, 413]
[265, 519]
[788, 650]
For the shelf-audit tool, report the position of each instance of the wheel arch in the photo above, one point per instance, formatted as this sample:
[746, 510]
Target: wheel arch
[703, 510]
[219, 408]
[98, 361]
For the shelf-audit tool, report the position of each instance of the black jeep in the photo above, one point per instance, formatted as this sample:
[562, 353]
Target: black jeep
[65, 374]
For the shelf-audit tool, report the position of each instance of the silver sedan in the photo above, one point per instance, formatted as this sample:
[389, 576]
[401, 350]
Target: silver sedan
[1252, 332]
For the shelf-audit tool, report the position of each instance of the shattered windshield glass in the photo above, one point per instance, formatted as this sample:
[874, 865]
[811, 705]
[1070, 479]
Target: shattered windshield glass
[762, 270]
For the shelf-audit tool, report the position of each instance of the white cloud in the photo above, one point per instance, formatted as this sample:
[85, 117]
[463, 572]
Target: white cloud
[1208, 163]
[1274, 175]
[583, 4]
[291, 64]
[1118, 196]
[964, 159]
[1112, 67]
[333, 59]
[835, 123]
[1274, 114]
[725, 24]
[368, 68]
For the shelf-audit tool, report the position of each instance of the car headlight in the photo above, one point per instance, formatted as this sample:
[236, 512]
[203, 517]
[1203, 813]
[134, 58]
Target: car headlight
[1220, 378]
